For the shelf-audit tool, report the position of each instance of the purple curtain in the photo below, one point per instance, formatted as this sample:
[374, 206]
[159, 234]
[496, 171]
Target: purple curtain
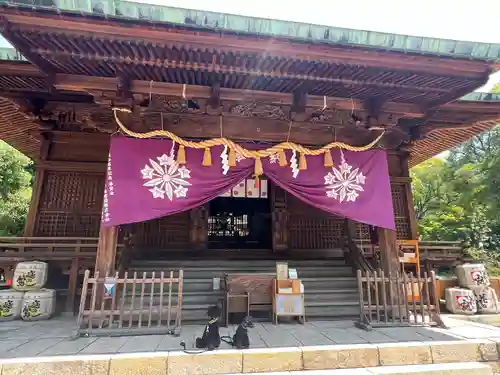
[144, 181]
[357, 186]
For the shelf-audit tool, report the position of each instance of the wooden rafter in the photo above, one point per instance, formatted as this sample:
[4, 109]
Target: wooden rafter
[232, 70]
[441, 140]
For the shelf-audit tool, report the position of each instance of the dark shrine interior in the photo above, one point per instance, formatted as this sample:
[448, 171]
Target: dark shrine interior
[239, 223]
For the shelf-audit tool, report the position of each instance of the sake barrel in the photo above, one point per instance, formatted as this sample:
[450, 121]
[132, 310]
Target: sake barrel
[460, 301]
[473, 274]
[486, 299]
[30, 276]
[11, 302]
[39, 304]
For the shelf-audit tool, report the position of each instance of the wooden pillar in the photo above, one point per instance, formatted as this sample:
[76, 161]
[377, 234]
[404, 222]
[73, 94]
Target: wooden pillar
[389, 259]
[31, 219]
[412, 218]
[106, 250]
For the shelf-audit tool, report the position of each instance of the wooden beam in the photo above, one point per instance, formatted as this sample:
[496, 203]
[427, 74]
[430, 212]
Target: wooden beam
[250, 129]
[96, 84]
[19, 68]
[161, 36]
[71, 166]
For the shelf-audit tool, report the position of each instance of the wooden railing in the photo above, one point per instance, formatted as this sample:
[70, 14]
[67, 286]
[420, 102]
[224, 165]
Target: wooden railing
[397, 299]
[441, 251]
[72, 254]
[47, 248]
[432, 252]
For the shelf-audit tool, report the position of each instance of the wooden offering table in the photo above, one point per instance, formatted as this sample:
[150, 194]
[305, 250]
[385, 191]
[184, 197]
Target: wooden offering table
[246, 292]
[288, 299]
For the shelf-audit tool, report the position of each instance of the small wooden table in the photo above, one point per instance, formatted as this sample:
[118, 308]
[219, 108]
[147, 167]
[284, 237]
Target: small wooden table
[288, 304]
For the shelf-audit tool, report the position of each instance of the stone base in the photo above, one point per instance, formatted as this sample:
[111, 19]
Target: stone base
[453, 358]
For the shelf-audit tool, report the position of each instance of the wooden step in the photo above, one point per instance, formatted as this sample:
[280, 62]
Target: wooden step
[206, 272]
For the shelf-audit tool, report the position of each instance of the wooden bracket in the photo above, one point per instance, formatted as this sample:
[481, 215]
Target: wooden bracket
[214, 100]
[299, 101]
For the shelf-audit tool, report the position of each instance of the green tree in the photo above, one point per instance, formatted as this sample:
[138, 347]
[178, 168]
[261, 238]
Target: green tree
[458, 198]
[15, 190]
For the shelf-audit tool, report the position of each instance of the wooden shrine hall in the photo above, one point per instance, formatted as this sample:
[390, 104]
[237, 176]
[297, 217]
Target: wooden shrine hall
[76, 78]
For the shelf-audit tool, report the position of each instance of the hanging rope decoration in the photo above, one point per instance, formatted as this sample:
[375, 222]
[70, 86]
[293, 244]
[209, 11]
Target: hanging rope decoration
[237, 149]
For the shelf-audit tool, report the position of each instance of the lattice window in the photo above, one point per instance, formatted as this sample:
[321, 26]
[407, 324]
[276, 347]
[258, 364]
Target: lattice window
[72, 191]
[70, 204]
[60, 224]
[315, 233]
[164, 233]
[310, 228]
[401, 213]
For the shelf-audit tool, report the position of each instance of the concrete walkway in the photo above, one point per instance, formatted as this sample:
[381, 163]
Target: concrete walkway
[52, 338]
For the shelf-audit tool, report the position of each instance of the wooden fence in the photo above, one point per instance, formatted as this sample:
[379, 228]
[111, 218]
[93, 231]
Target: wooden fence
[119, 306]
[397, 300]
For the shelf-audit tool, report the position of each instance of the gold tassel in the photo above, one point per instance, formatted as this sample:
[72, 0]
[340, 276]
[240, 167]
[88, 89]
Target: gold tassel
[282, 157]
[302, 162]
[232, 158]
[258, 167]
[181, 155]
[328, 159]
[257, 182]
[207, 158]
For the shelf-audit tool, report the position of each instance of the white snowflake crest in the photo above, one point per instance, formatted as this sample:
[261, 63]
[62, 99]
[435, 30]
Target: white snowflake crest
[274, 158]
[344, 184]
[166, 178]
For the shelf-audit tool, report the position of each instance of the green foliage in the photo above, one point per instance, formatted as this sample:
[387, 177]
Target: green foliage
[457, 198]
[15, 190]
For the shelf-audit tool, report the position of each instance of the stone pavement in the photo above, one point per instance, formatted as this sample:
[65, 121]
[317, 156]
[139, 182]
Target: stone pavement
[52, 338]
[469, 328]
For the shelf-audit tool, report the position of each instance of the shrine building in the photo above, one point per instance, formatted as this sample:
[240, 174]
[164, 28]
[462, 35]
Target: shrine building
[172, 138]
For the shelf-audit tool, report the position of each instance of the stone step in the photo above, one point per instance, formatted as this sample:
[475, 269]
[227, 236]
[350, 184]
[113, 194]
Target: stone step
[469, 368]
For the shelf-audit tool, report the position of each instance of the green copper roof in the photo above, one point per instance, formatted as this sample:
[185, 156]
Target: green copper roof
[481, 97]
[10, 53]
[268, 27]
